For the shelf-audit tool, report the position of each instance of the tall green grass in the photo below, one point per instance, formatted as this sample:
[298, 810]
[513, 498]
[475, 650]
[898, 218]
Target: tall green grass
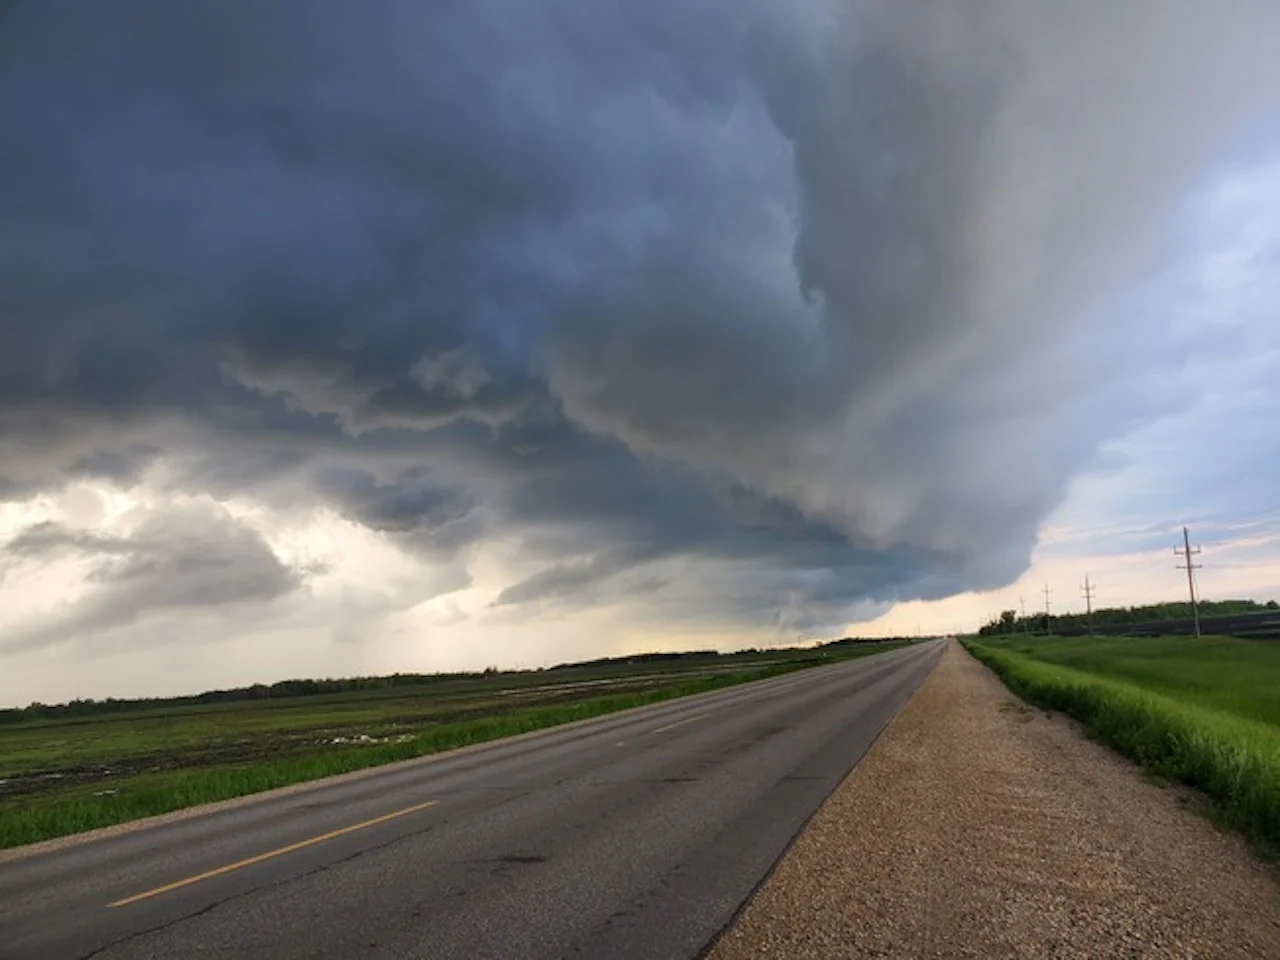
[1203, 727]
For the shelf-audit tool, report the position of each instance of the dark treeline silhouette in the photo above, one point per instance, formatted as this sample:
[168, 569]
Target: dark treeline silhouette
[259, 691]
[645, 658]
[1125, 619]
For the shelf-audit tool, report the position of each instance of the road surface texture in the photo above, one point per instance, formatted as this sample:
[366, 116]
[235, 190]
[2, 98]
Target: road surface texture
[978, 827]
[632, 835]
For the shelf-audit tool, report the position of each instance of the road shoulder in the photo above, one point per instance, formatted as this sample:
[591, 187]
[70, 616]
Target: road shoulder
[979, 827]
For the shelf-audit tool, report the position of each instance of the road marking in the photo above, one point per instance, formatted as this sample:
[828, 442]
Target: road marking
[621, 743]
[209, 874]
[680, 723]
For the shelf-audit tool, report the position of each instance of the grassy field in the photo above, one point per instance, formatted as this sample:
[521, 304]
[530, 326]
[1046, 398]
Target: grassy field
[63, 776]
[1205, 712]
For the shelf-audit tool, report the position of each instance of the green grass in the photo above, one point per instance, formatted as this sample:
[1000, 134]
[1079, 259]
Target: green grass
[1204, 712]
[67, 776]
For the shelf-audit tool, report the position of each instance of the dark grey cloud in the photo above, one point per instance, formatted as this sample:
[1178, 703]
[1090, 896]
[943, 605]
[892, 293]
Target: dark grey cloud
[47, 539]
[123, 465]
[826, 294]
[410, 503]
[182, 558]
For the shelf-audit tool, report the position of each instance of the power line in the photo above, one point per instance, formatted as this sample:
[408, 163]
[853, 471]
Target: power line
[1089, 590]
[1186, 553]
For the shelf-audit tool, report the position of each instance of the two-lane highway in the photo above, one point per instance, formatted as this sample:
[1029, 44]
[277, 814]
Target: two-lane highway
[632, 835]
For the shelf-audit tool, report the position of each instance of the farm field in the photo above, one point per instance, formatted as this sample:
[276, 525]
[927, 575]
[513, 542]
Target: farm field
[67, 774]
[1204, 712]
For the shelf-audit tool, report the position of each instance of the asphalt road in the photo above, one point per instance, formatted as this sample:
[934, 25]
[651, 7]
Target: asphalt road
[631, 835]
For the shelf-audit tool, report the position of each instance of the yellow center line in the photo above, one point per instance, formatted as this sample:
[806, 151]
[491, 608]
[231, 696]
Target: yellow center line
[680, 723]
[239, 864]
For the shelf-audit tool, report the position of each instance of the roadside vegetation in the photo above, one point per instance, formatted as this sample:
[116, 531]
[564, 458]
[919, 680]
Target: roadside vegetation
[1205, 712]
[75, 767]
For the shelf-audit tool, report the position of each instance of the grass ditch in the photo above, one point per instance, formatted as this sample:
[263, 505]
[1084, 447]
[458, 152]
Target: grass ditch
[1199, 712]
[77, 808]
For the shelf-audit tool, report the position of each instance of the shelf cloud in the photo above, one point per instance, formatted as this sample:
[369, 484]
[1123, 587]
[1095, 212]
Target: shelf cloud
[740, 311]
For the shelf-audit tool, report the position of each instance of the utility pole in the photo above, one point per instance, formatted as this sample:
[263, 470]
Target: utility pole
[1026, 627]
[1046, 608]
[1089, 590]
[1186, 553]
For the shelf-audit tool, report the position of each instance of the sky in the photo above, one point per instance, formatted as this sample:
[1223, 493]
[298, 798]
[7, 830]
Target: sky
[348, 339]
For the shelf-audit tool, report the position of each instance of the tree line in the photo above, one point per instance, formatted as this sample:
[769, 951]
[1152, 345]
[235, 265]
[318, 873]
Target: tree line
[259, 691]
[1112, 617]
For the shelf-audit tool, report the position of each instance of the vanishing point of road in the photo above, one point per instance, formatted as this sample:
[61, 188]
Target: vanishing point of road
[631, 835]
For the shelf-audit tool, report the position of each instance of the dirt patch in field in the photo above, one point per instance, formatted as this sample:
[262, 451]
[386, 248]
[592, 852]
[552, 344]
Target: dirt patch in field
[978, 827]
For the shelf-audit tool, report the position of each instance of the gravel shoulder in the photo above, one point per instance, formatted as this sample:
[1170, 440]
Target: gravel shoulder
[979, 827]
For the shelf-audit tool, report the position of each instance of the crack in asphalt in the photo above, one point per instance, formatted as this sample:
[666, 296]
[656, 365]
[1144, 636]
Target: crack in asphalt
[287, 880]
[314, 871]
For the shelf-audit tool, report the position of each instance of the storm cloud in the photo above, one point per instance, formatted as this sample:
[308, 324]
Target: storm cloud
[184, 558]
[749, 311]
